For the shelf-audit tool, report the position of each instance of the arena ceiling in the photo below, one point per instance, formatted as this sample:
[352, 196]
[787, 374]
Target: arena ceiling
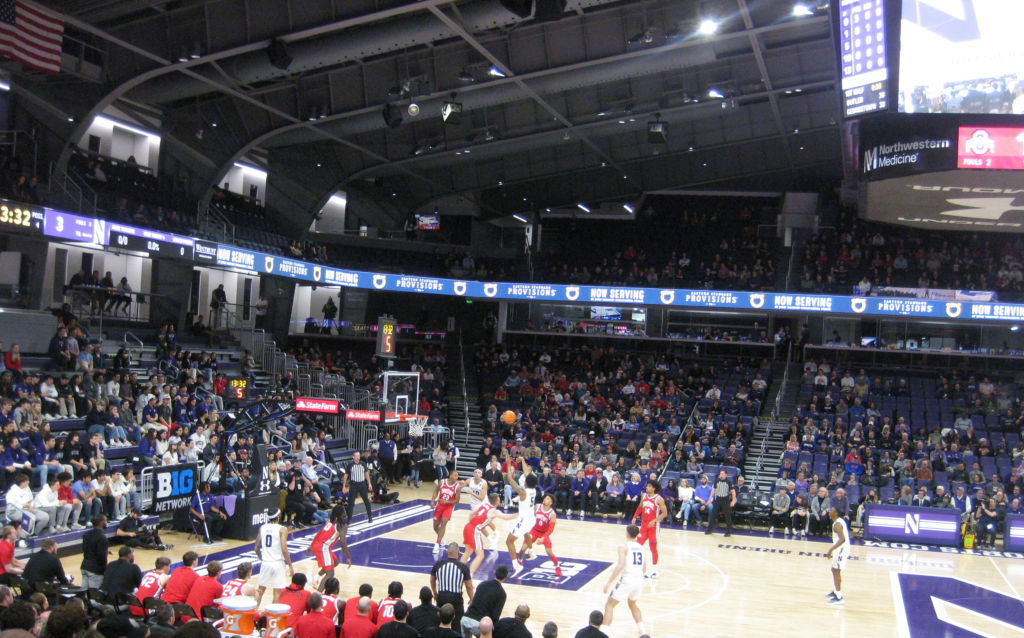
[555, 112]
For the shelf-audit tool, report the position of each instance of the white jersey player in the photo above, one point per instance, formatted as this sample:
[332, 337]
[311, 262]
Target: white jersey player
[838, 554]
[627, 580]
[527, 507]
[272, 549]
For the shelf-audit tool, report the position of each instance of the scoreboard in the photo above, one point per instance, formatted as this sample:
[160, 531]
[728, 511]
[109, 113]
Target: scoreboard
[387, 337]
[862, 56]
[237, 389]
[154, 242]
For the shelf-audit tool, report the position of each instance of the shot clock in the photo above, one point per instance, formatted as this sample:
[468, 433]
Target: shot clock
[387, 336]
[237, 389]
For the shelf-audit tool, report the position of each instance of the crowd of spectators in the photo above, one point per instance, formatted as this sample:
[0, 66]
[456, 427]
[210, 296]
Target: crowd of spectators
[597, 424]
[945, 440]
[857, 257]
[17, 182]
[132, 194]
[714, 245]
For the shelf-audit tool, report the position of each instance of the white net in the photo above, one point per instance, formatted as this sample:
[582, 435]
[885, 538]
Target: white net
[416, 425]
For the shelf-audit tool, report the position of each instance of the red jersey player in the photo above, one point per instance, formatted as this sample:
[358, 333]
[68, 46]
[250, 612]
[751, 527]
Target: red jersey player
[473, 532]
[333, 530]
[386, 608]
[153, 582]
[240, 586]
[331, 587]
[541, 531]
[446, 495]
[651, 511]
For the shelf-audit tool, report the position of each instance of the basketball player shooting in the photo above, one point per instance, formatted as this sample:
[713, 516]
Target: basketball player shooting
[652, 511]
[527, 504]
[541, 531]
[446, 496]
[472, 533]
[628, 579]
[322, 546]
[838, 554]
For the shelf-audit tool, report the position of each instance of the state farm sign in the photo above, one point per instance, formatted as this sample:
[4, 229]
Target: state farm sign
[362, 415]
[323, 406]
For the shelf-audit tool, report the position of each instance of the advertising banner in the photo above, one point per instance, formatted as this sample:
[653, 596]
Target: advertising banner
[1013, 538]
[901, 524]
[174, 486]
[320, 406]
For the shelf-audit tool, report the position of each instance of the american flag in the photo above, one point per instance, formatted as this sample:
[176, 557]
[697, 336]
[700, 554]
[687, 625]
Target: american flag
[31, 35]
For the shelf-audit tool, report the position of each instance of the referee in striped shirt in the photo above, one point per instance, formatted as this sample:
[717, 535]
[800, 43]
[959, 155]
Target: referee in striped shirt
[447, 578]
[725, 500]
[357, 483]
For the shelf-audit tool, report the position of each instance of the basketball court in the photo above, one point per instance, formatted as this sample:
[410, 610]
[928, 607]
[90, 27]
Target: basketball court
[746, 585]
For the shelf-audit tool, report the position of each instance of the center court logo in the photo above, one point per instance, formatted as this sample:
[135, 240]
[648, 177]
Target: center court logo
[490, 289]
[379, 281]
[954, 308]
[757, 300]
[572, 293]
[668, 296]
[459, 287]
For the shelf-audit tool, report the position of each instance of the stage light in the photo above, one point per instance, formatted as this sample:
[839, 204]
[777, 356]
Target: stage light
[414, 109]
[628, 208]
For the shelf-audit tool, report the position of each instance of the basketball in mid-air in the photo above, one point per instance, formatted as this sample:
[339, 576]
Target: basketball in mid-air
[509, 417]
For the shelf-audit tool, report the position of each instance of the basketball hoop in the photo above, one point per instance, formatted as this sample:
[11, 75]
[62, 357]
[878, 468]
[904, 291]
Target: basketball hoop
[416, 423]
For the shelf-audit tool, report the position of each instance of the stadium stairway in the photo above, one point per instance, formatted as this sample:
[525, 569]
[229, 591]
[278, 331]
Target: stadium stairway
[468, 433]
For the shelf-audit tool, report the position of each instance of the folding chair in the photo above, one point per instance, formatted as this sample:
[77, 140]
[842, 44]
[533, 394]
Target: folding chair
[150, 607]
[211, 614]
[182, 612]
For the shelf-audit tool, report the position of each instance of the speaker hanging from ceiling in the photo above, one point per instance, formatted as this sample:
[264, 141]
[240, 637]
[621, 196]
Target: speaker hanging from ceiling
[278, 54]
[522, 8]
[392, 116]
[549, 10]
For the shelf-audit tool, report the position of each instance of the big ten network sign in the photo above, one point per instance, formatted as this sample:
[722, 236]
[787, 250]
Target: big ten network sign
[175, 486]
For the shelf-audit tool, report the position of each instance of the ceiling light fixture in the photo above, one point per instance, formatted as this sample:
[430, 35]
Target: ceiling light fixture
[466, 77]
[496, 72]
[628, 208]
[715, 93]
[583, 208]
[708, 27]
[520, 218]
[802, 11]
[414, 109]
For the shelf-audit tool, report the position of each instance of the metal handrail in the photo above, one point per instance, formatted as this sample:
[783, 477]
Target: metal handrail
[137, 340]
[465, 395]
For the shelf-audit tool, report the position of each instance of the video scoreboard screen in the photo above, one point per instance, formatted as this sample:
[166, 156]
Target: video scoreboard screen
[154, 242]
[991, 147]
[863, 53]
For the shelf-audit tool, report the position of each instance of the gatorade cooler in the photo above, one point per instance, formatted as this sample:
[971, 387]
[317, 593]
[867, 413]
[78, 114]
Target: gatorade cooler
[239, 612]
[277, 619]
